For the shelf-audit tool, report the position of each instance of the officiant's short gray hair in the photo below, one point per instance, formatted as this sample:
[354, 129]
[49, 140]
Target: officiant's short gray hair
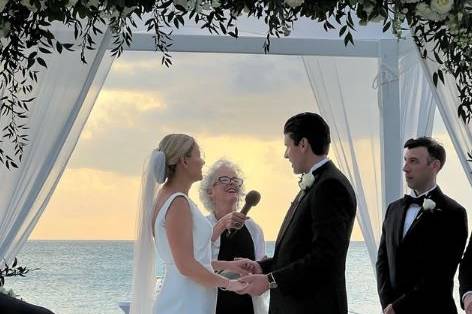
[210, 178]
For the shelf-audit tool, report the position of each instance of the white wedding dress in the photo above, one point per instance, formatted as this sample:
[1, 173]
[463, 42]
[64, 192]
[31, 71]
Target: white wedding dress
[179, 294]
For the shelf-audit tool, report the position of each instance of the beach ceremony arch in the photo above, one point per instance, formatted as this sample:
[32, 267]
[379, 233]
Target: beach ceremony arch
[407, 99]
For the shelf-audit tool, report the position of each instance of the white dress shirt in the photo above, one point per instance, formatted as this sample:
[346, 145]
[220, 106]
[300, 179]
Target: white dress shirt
[318, 164]
[413, 210]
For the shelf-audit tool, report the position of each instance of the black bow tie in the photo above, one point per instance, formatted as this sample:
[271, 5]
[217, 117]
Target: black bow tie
[414, 200]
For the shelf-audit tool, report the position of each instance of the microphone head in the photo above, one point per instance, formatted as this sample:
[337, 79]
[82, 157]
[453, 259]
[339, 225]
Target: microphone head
[253, 198]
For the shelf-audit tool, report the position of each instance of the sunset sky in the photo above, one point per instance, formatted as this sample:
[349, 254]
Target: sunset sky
[235, 105]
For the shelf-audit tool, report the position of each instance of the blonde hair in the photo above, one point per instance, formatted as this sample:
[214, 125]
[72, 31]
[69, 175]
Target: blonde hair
[174, 147]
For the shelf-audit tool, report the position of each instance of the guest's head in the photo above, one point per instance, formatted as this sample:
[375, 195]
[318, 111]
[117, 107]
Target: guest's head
[423, 158]
[222, 188]
[182, 156]
[306, 140]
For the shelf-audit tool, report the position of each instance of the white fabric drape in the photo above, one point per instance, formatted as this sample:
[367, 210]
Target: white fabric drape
[417, 106]
[416, 98]
[65, 94]
[446, 96]
[352, 109]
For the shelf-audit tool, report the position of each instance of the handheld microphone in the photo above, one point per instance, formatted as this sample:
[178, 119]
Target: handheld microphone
[252, 199]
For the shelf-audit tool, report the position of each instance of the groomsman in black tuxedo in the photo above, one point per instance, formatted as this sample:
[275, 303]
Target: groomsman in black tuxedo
[423, 237]
[465, 279]
[307, 272]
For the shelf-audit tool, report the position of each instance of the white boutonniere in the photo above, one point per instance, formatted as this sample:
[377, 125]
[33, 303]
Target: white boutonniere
[306, 181]
[428, 206]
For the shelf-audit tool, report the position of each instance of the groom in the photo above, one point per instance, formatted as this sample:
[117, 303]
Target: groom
[306, 274]
[423, 237]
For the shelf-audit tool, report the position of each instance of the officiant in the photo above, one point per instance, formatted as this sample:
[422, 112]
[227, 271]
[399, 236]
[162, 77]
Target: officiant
[234, 234]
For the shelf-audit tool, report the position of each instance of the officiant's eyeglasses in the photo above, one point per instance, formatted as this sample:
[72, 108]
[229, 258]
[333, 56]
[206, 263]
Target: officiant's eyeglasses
[227, 180]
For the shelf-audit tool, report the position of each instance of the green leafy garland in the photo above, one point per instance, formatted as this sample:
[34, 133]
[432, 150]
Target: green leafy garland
[25, 37]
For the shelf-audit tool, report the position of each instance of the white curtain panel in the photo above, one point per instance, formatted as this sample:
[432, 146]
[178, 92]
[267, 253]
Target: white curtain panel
[446, 96]
[416, 98]
[417, 107]
[65, 95]
[346, 98]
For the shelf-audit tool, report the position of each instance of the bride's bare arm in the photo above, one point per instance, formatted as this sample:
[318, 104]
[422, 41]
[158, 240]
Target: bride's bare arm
[179, 234]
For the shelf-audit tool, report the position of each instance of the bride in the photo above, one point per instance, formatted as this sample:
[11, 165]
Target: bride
[172, 226]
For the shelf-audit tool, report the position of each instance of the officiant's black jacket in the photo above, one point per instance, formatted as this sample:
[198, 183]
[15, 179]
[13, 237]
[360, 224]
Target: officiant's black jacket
[310, 251]
[415, 273]
[465, 272]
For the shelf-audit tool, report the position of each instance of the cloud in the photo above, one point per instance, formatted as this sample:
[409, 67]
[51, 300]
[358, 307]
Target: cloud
[120, 108]
[202, 95]
[90, 204]
[205, 95]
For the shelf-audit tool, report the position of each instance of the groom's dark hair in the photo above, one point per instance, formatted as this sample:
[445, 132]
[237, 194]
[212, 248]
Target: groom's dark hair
[435, 150]
[311, 126]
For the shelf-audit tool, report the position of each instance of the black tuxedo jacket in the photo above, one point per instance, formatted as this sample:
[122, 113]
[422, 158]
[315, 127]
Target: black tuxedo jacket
[310, 251]
[465, 272]
[415, 273]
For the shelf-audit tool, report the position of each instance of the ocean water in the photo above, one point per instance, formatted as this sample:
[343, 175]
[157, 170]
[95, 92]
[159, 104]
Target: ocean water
[91, 277]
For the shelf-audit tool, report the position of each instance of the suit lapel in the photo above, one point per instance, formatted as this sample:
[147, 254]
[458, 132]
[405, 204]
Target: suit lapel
[400, 222]
[292, 211]
[289, 216]
[414, 223]
[436, 196]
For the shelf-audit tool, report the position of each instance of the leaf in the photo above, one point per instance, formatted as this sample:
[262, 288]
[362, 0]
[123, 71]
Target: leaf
[44, 50]
[170, 16]
[181, 19]
[68, 46]
[164, 5]
[342, 30]
[435, 79]
[441, 76]
[58, 47]
[328, 25]
[42, 62]
[349, 18]
[386, 26]
[348, 39]
[223, 28]
[438, 59]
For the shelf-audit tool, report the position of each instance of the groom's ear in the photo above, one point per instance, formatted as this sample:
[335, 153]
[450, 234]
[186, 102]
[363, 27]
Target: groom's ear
[436, 165]
[303, 144]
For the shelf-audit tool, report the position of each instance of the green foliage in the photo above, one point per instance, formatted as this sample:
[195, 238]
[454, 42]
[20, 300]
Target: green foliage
[441, 30]
[12, 271]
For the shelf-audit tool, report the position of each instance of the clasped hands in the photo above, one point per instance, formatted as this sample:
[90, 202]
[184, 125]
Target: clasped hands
[252, 281]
